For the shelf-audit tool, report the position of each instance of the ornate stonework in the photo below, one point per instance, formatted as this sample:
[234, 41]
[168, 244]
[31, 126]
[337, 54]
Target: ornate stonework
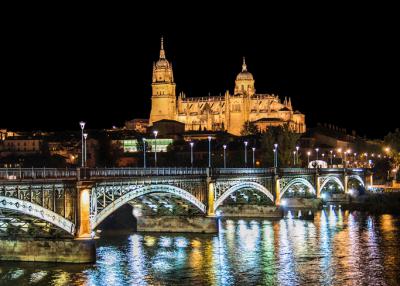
[228, 112]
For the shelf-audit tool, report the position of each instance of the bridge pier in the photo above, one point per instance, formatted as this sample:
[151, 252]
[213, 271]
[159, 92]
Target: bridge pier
[277, 187]
[346, 184]
[210, 197]
[318, 186]
[83, 228]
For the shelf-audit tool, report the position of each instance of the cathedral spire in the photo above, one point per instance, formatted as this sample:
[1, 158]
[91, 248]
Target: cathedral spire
[162, 52]
[244, 66]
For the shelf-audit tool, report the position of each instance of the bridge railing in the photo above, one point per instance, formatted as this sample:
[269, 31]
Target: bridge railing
[36, 173]
[296, 171]
[132, 172]
[239, 171]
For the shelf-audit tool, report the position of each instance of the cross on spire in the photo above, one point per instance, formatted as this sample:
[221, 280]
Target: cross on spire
[244, 66]
[162, 52]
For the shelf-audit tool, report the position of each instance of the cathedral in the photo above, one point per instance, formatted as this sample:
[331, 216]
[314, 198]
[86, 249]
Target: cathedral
[229, 112]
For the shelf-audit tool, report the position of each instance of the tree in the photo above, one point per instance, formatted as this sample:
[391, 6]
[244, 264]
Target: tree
[108, 153]
[286, 140]
[249, 128]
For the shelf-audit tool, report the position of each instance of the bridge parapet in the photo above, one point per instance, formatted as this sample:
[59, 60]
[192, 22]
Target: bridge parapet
[139, 172]
[10, 174]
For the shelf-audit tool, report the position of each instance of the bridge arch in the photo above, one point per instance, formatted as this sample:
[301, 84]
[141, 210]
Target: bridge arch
[332, 179]
[37, 211]
[297, 181]
[252, 185]
[103, 214]
[357, 178]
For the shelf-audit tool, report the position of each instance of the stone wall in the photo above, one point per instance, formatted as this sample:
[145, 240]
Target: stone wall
[250, 211]
[177, 224]
[68, 250]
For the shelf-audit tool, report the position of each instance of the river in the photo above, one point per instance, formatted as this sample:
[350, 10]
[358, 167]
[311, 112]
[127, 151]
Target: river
[337, 248]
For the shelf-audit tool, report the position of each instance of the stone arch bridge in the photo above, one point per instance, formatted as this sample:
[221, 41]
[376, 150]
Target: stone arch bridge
[72, 203]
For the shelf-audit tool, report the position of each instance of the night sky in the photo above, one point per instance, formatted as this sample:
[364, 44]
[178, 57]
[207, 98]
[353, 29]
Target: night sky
[340, 67]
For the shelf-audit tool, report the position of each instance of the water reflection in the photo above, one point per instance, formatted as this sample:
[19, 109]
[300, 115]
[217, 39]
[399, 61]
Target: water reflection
[337, 248]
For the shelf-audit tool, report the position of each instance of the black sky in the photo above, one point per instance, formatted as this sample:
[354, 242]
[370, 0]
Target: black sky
[339, 65]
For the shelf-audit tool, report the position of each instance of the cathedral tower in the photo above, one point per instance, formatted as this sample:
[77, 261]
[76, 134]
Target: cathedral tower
[163, 99]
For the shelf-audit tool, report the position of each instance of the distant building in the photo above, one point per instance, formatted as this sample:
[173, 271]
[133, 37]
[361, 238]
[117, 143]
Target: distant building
[22, 144]
[168, 127]
[139, 125]
[219, 113]
[133, 146]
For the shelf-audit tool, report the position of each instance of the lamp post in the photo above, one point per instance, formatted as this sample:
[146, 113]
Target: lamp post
[317, 150]
[254, 157]
[82, 124]
[209, 151]
[144, 152]
[245, 153]
[331, 157]
[308, 158]
[294, 158]
[297, 155]
[276, 155]
[85, 149]
[191, 153]
[155, 132]
[224, 146]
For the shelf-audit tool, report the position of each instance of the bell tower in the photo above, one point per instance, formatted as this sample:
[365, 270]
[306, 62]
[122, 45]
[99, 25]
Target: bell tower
[163, 98]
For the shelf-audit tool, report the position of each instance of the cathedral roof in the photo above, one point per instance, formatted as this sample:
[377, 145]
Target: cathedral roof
[244, 74]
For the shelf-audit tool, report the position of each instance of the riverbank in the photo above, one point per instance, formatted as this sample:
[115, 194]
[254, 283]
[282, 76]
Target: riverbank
[379, 203]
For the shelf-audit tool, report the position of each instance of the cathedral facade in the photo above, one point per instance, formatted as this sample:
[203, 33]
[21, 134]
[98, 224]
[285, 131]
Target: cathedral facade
[229, 112]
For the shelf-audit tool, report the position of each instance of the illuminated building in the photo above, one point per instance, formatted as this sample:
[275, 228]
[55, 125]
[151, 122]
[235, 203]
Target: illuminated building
[218, 113]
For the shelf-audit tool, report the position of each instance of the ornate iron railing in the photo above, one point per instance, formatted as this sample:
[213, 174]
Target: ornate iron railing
[36, 173]
[131, 172]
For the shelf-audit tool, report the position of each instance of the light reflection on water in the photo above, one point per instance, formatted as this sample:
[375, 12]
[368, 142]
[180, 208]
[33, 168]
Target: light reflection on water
[337, 248]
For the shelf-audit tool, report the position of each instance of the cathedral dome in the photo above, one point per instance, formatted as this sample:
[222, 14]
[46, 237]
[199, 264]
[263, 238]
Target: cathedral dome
[162, 63]
[244, 74]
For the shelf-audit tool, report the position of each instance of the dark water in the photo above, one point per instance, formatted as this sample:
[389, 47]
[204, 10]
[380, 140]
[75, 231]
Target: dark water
[337, 248]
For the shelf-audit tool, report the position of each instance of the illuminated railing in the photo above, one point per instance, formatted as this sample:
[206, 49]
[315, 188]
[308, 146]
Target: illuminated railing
[36, 173]
[130, 172]
[239, 171]
[297, 171]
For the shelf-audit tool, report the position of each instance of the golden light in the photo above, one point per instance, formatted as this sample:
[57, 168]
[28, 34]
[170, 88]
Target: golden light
[339, 150]
[85, 197]
[387, 149]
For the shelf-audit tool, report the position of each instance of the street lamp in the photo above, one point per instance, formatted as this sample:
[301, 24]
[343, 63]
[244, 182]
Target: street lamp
[245, 153]
[224, 146]
[297, 155]
[308, 158]
[82, 124]
[191, 153]
[155, 132]
[85, 150]
[317, 149]
[276, 155]
[254, 161]
[144, 152]
[331, 156]
[294, 158]
[209, 151]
